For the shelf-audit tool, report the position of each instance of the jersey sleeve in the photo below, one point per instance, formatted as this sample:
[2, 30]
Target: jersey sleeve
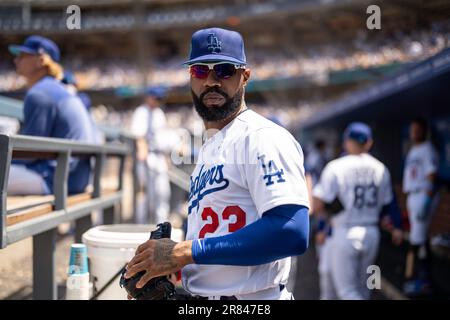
[405, 176]
[272, 169]
[139, 122]
[327, 188]
[386, 188]
[430, 161]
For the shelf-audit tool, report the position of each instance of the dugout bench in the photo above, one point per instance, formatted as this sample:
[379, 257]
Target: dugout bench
[39, 216]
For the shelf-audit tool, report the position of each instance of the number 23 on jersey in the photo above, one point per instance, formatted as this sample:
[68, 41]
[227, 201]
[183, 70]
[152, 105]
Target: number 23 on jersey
[211, 227]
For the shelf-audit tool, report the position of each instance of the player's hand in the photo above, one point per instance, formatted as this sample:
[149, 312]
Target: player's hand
[386, 223]
[159, 258]
[155, 258]
[397, 237]
[320, 237]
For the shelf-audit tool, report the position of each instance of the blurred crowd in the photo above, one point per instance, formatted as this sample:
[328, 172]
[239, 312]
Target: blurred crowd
[156, 128]
[311, 62]
[363, 54]
[185, 117]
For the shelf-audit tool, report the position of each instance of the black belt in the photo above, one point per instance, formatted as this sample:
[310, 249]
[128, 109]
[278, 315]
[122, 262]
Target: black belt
[282, 286]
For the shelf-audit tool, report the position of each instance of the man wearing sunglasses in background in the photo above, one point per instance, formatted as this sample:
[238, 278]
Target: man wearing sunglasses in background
[248, 201]
[49, 110]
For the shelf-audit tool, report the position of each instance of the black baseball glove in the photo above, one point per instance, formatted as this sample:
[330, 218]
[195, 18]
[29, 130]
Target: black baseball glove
[159, 288]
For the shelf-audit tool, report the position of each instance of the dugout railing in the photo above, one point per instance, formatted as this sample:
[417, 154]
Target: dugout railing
[40, 220]
[13, 108]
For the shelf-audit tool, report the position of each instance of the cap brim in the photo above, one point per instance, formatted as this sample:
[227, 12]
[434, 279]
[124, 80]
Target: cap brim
[214, 58]
[16, 49]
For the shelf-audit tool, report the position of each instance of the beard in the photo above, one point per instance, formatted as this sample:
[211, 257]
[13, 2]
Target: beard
[217, 113]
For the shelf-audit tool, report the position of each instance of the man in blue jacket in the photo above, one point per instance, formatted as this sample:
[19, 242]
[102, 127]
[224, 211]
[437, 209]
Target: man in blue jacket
[50, 110]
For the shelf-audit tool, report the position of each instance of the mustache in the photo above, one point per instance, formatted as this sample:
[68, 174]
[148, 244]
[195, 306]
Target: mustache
[230, 106]
[214, 90]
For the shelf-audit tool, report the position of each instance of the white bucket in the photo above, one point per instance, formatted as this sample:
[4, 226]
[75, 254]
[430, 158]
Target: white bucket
[110, 247]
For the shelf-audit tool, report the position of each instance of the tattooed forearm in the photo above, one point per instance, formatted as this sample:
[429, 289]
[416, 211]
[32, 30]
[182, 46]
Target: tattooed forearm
[163, 258]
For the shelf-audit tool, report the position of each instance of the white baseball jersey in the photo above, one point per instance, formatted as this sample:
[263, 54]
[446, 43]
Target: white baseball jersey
[421, 161]
[152, 124]
[361, 183]
[250, 166]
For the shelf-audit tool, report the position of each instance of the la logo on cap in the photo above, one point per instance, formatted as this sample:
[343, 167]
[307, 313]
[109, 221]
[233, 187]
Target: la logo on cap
[214, 45]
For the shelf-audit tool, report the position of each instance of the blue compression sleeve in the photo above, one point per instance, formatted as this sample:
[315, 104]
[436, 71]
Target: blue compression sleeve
[281, 232]
[393, 211]
[321, 224]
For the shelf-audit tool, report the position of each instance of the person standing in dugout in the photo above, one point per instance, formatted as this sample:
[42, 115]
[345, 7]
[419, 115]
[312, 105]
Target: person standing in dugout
[248, 201]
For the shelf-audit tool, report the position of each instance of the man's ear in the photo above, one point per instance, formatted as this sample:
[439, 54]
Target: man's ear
[368, 145]
[40, 61]
[246, 75]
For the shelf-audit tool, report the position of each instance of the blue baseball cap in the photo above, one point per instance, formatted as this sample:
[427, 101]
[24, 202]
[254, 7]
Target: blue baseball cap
[36, 45]
[216, 44]
[359, 132]
[158, 92]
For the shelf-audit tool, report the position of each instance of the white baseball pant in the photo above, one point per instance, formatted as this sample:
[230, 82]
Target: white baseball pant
[352, 251]
[419, 228]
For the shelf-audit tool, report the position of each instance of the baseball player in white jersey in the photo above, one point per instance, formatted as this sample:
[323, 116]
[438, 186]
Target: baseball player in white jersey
[149, 125]
[419, 183]
[362, 186]
[315, 162]
[248, 203]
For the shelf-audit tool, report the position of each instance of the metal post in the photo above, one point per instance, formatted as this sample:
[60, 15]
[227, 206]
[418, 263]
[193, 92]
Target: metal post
[84, 223]
[118, 212]
[108, 215]
[81, 226]
[134, 168]
[121, 177]
[121, 171]
[44, 270]
[44, 244]
[60, 180]
[100, 160]
[5, 160]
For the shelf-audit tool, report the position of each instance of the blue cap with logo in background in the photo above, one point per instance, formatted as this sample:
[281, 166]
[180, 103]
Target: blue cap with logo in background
[36, 45]
[159, 92]
[358, 131]
[216, 44]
